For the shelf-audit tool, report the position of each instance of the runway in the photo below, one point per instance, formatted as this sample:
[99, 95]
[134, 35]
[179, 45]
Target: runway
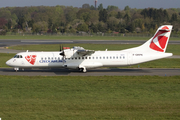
[93, 72]
[5, 43]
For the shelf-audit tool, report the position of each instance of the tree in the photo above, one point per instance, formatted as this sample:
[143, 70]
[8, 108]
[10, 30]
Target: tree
[9, 24]
[119, 15]
[70, 14]
[83, 14]
[113, 13]
[131, 27]
[21, 22]
[40, 26]
[94, 28]
[50, 24]
[3, 22]
[127, 18]
[100, 7]
[102, 27]
[127, 8]
[92, 7]
[83, 27]
[113, 23]
[103, 15]
[174, 17]
[86, 6]
[111, 7]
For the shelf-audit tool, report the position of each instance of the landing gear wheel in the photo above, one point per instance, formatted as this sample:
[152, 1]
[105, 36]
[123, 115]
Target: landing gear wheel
[80, 69]
[83, 70]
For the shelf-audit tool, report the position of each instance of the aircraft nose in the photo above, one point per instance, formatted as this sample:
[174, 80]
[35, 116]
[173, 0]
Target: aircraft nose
[8, 63]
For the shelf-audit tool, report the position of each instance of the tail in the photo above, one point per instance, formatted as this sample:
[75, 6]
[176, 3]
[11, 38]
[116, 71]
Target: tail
[158, 43]
[160, 40]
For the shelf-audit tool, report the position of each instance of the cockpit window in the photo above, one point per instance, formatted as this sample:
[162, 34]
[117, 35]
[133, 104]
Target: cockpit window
[18, 56]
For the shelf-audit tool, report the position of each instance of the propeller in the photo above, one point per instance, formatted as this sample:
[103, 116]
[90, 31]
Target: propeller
[62, 53]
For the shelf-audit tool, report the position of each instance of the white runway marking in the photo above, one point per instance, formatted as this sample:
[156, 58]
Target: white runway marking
[44, 41]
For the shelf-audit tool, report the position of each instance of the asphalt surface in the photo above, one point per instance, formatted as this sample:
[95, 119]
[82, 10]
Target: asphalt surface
[93, 72]
[5, 43]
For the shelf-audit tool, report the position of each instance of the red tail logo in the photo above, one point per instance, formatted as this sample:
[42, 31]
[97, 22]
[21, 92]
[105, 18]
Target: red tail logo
[159, 41]
[31, 59]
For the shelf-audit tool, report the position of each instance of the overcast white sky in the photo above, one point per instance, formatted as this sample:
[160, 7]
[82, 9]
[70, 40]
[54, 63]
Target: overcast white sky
[78, 3]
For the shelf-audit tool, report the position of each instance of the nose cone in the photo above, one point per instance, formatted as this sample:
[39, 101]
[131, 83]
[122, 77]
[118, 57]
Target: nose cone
[8, 62]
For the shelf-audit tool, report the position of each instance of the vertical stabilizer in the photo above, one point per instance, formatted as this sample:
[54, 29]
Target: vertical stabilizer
[158, 43]
[160, 39]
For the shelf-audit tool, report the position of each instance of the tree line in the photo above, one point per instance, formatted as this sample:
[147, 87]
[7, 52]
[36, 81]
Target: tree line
[68, 19]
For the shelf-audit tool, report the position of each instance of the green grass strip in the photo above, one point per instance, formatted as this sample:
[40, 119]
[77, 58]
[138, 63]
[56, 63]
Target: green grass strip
[71, 37]
[87, 98]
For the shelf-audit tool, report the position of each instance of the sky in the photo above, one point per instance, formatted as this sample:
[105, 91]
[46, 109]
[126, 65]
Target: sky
[139, 4]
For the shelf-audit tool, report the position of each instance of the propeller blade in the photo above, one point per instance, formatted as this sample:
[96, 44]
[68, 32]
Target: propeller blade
[60, 48]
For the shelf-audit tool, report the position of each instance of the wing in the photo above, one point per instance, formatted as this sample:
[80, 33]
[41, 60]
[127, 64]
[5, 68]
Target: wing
[84, 52]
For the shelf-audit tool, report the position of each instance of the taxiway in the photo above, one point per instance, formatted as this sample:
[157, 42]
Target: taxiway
[93, 72]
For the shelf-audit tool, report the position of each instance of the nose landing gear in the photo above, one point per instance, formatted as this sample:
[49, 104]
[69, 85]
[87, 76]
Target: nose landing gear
[16, 69]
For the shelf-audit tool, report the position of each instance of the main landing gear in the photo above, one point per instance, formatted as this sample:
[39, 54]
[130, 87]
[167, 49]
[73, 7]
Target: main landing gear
[83, 69]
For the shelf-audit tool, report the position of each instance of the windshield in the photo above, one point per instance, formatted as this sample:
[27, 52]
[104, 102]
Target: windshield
[18, 56]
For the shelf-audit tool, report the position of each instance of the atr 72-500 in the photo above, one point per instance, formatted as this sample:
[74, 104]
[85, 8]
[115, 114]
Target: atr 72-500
[82, 59]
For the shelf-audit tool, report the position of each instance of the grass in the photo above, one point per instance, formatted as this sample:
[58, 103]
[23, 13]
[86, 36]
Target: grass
[59, 37]
[4, 57]
[87, 98]
[172, 48]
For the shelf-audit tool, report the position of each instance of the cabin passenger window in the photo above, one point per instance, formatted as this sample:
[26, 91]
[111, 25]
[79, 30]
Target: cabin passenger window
[107, 57]
[58, 58]
[89, 57]
[42, 58]
[55, 58]
[79, 57]
[48, 58]
[99, 57]
[117, 57]
[96, 57]
[85, 57]
[113, 57]
[45, 58]
[110, 57]
[103, 57]
[52, 58]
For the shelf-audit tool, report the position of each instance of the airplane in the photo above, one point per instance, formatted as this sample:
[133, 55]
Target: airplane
[83, 59]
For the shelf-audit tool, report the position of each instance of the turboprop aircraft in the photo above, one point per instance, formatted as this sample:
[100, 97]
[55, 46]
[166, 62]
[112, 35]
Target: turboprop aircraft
[82, 59]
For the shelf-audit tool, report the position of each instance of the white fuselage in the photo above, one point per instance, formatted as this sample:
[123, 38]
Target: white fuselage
[97, 59]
